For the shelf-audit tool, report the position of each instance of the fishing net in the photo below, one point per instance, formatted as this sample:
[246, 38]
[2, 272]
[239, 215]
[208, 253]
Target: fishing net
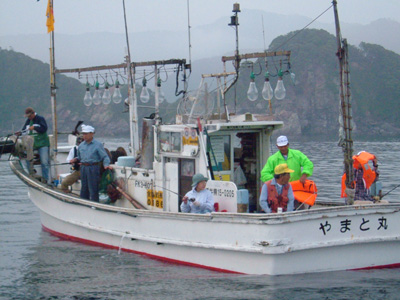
[107, 187]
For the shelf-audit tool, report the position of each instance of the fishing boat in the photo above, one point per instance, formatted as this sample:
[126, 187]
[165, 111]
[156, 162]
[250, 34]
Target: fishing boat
[236, 238]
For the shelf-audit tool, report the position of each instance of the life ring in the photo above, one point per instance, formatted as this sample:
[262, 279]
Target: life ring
[305, 193]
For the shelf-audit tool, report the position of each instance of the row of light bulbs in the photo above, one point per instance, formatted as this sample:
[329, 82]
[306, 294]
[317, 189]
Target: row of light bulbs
[116, 96]
[252, 93]
[267, 92]
[105, 98]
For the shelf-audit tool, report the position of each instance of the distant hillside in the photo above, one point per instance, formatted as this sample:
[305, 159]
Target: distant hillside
[25, 82]
[310, 108]
[209, 40]
[382, 32]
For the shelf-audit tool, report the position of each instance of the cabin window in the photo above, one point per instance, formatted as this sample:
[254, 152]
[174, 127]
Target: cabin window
[176, 141]
[187, 168]
[170, 141]
[220, 153]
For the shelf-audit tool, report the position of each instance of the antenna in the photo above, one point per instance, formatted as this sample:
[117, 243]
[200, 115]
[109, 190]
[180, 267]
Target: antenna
[190, 43]
[262, 21]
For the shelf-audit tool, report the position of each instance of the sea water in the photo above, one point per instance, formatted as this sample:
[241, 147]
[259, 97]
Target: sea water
[36, 265]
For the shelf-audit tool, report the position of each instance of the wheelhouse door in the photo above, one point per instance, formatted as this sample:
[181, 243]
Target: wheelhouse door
[186, 172]
[235, 156]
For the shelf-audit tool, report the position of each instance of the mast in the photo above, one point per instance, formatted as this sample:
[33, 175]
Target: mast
[53, 85]
[234, 23]
[133, 116]
[345, 118]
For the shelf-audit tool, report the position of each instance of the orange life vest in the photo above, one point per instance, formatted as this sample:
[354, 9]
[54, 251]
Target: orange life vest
[369, 175]
[305, 193]
[274, 201]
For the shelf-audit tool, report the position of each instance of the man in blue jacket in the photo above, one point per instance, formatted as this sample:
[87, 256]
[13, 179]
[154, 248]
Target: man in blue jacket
[36, 126]
[90, 154]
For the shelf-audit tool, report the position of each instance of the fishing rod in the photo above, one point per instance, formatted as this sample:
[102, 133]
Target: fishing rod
[168, 190]
[18, 132]
[390, 190]
[60, 164]
[50, 165]
[6, 160]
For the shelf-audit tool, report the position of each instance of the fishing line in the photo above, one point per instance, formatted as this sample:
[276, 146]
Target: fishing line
[391, 190]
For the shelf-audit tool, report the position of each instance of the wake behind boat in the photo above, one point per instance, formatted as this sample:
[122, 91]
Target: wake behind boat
[236, 238]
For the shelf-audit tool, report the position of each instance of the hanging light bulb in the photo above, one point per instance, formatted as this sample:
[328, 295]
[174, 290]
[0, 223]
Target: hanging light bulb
[267, 92]
[117, 97]
[293, 77]
[96, 95]
[87, 100]
[144, 95]
[280, 91]
[252, 92]
[161, 95]
[106, 95]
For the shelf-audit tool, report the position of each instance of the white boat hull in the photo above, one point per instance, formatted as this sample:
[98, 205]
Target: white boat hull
[273, 244]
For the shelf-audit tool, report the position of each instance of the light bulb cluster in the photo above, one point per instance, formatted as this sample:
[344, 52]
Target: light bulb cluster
[267, 92]
[106, 98]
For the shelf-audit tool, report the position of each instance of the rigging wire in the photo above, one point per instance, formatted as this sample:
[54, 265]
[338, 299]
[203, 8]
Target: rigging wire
[303, 28]
[165, 71]
[292, 37]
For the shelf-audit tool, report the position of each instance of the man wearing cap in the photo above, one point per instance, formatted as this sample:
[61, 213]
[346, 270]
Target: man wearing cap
[199, 200]
[277, 194]
[297, 161]
[90, 153]
[36, 126]
[76, 174]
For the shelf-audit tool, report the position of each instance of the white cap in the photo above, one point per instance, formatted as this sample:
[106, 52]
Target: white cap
[282, 141]
[87, 128]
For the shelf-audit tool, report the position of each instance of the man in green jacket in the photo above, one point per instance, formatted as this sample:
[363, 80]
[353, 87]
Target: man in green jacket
[36, 126]
[295, 159]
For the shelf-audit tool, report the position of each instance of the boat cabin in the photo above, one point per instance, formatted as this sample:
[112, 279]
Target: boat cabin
[232, 154]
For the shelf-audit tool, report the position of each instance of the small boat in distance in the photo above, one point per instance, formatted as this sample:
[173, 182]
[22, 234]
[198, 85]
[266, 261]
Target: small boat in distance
[236, 238]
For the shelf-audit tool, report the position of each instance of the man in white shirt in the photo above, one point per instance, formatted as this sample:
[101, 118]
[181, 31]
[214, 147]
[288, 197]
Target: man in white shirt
[75, 175]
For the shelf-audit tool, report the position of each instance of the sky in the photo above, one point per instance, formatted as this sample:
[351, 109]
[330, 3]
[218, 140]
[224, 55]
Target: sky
[82, 16]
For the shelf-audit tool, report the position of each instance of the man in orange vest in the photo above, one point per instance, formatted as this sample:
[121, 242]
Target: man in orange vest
[364, 175]
[277, 194]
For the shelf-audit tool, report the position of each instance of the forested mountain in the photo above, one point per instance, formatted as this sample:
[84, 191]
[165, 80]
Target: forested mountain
[25, 82]
[310, 108]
